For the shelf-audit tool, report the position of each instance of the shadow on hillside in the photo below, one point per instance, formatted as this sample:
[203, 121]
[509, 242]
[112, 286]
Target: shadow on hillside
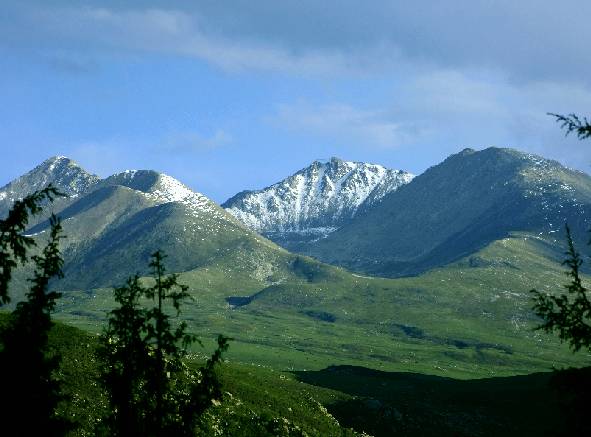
[398, 403]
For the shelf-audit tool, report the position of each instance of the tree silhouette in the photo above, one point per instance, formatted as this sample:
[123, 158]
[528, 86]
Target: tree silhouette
[572, 123]
[125, 354]
[13, 244]
[569, 314]
[164, 339]
[30, 391]
[152, 391]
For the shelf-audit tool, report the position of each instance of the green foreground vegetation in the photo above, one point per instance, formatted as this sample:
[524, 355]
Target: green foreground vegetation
[331, 402]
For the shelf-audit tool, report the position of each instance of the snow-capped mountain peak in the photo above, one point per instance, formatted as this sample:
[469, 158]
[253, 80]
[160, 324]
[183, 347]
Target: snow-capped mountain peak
[317, 199]
[62, 172]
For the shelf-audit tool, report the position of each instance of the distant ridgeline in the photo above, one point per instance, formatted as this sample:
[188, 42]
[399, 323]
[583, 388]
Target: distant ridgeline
[360, 216]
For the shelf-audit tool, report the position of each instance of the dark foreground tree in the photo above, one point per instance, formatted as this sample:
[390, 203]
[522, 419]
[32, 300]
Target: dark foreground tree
[13, 244]
[125, 354]
[30, 390]
[152, 391]
[568, 314]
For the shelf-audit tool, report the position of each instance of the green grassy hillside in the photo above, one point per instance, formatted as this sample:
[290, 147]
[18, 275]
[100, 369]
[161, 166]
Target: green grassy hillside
[335, 401]
[256, 401]
[469, 319]
[113, 228]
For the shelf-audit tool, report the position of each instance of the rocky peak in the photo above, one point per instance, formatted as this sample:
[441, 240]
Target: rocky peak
[316, 199]
[62, 172]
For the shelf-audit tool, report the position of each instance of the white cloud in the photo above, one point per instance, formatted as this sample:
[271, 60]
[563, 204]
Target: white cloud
[345, 124]
[170, 31]
[527, 40]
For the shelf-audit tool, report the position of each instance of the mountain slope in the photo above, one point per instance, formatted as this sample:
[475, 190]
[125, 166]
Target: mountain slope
[315, 201]
[457, 207]
[114, 227]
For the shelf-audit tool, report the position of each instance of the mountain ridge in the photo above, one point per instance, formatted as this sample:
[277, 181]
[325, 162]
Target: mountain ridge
[458, 206]
[314, 201]
[114, 224]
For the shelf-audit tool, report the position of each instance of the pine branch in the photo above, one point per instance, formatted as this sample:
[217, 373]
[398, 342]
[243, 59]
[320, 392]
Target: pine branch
[572, 123]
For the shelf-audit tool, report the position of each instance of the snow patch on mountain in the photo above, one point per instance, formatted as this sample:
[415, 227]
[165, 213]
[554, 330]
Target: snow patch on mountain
[162, 188]
[317, 199]
[169, 189]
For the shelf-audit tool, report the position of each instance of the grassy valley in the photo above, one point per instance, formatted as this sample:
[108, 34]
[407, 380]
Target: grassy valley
[470, 319]
[335, 401]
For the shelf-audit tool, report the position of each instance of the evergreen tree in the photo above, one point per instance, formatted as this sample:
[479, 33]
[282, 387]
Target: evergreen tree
[30, 391]
[13, 244]
[125, 354]
[169, 344]
[152, 391]
[569, 314]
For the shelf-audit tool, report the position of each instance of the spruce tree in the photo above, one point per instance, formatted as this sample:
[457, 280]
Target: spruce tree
[568, 314]
[125, 354]
[30, 390]
[13, 244]
[573, 123]
[152, 391]
[169, 343]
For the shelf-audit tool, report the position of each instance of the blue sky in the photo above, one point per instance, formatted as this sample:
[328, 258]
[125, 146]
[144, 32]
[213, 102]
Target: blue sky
[236, 95]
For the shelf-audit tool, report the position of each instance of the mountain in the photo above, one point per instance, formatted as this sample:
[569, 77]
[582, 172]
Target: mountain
[315, 201]
[65, 174]
[458, 207]
[470, 318]
[114, 226]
